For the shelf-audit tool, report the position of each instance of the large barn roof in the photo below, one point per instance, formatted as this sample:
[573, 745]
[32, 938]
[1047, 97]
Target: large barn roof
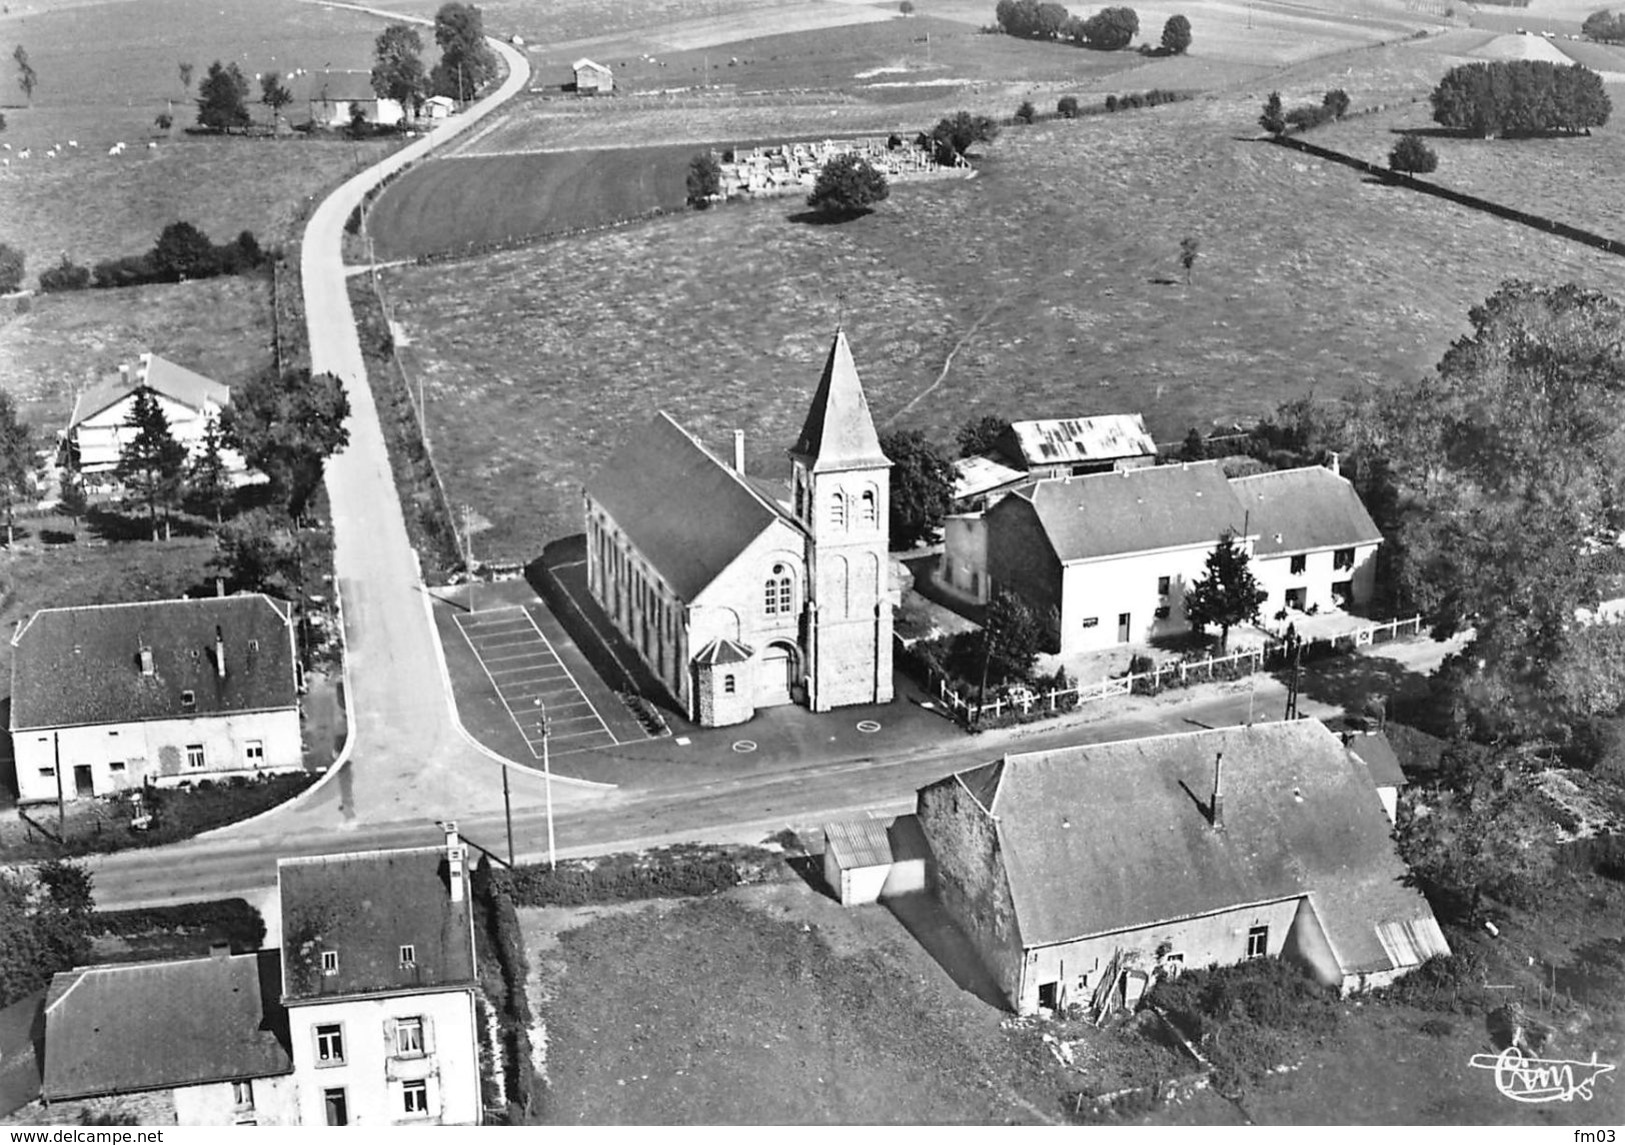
[1081, 440]
[1111, 837]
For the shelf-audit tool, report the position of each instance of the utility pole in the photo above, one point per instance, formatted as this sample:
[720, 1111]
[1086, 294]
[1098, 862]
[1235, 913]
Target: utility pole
[468, 548]
[507, 812]
[547, 779]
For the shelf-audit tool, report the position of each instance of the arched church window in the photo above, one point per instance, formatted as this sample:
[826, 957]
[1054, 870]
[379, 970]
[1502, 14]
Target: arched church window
[837, 510]
[779, 597]
[868, 509]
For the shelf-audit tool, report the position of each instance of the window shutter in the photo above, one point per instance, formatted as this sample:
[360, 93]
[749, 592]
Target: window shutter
[428, 1034]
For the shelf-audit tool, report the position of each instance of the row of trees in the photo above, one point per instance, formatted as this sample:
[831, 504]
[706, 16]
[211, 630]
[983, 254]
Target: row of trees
[222, 96]
[1520, 97]
[1277, 120]
[182, 254]
[1110, 29]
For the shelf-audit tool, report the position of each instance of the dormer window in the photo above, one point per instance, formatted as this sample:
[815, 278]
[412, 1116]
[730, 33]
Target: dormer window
[409, 957]
[330, 962]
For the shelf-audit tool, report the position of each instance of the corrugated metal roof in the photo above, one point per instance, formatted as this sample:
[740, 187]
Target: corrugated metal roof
[1107, 437]
[1411, 942]
[859, 843]
[974, 476]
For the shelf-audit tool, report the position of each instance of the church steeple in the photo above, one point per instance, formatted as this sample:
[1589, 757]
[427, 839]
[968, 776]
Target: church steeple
[839, 434]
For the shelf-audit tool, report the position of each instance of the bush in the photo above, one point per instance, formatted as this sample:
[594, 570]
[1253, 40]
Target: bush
[1448, 982]
[12, 265]
[1437, 1028]
[1067, 107]
[1110, 29]
[666, 873]
[64, 276]
[1308, 116]
[1026, 112]
[1176, 36]
[1412, 157]
[1336, 101]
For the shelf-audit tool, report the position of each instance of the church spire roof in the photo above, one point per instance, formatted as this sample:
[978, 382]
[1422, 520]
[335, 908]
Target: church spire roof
[839, 433]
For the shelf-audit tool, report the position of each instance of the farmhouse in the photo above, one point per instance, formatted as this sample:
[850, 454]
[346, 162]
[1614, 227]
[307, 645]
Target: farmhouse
[593, 77]
[373, 943]
[1101, 560]
[198, 1042]
[112, 696]
[99, 428]
[1316, 546]
[1082, 872]
[1077, 445]
[382, 942]
[735, 598]
[334, 96]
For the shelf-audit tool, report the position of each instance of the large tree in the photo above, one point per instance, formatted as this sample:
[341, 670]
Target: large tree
[1011, 639]
[287, 426]
[848, 185]
[1111, 29]
[182, 253]
[397, 72]
[259, 552]
[466, 60]
[980, 435]
[222, 102]
[1274, 118]
[1226, 594]
[956, 134]
[922, 486]
[1176, 35]
[704, 179]
[16, 458]
[1604, 26]
[152, 464]
[1500, 475]
[206, 478]
[42, 934]
[274, 94]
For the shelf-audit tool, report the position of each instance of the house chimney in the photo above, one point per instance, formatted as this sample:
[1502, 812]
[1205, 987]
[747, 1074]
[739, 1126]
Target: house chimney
[456, 860]
[1334, 462]
[124, 372]
[146, 659]
[219, 950]
[220, 586]
[739, 451]
[1216, 809]
[219, 652]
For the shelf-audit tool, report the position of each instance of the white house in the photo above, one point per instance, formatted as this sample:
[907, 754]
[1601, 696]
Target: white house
[99, 428]
[1102, 559]
[1082, 873]
[439, 106]
[1316, 546]
[380, 984]
[334, 96]
[111, 696]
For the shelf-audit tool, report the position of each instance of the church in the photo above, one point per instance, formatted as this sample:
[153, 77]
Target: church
[736, 598]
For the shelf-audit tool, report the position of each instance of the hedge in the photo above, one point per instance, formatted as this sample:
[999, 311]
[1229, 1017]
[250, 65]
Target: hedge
[672, 872]
[234, 920]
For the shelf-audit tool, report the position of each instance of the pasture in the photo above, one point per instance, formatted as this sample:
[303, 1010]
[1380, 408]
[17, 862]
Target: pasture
[66, 343]
[1047, 286]
[107, 69]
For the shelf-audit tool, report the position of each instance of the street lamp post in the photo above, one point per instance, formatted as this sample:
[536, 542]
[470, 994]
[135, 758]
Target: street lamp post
[547, 780]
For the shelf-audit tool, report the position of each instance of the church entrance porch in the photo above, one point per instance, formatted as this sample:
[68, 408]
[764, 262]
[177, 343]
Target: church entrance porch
[776, 675]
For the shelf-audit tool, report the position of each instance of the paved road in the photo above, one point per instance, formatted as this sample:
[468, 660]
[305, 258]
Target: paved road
[751, 807]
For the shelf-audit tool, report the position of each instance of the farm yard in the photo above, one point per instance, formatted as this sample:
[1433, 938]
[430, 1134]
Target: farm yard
[1048, 285]
[106, 70]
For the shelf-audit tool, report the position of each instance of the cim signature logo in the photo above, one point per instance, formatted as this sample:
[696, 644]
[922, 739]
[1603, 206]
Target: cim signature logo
[1537, 1080]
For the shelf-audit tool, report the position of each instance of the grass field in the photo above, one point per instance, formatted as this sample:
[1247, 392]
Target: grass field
[1047, 286]
[65, 343]
[832, 1016]
[107, 69]
[426, 210]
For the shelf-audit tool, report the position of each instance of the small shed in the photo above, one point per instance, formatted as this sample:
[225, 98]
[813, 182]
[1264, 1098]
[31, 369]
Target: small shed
[439, 106]
[593, 77]
[866, 860]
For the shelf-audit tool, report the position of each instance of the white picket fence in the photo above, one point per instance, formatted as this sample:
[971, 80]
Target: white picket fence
[1185, 672]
